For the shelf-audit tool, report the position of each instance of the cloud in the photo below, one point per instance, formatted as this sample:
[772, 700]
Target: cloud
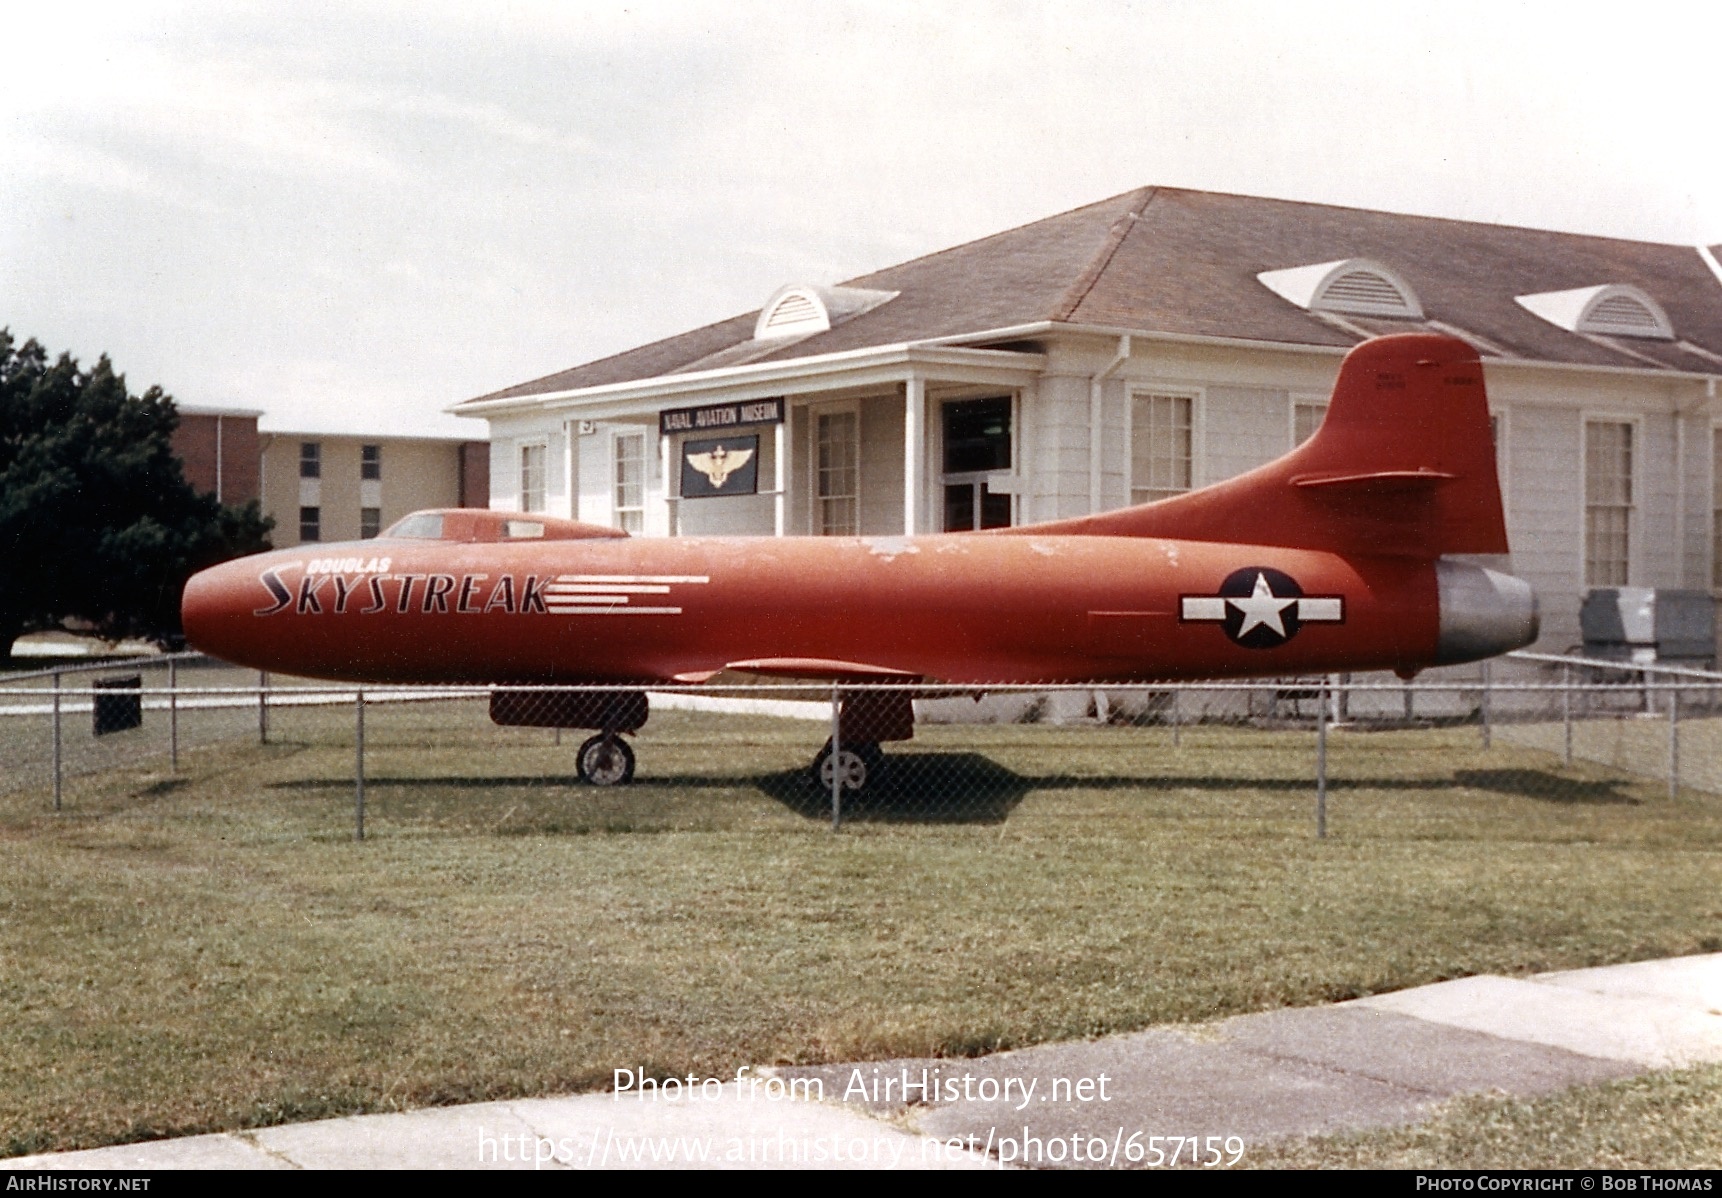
[379, 204]
[80, 166]
[128, 106]
[490, 119]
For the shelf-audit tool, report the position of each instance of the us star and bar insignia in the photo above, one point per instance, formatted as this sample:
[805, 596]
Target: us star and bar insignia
[1259, 607]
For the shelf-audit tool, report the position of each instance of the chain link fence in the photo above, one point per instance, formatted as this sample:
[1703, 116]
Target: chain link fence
[1559, 727]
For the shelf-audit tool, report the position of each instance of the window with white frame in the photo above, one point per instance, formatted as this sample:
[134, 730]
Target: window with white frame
[975, 444]
[628, 478]
[1161, 446]
[1608, 498]
[837, 474]
[1307, 415]
[532, 478]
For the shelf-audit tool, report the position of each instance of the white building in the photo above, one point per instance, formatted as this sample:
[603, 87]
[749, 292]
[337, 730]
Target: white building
[1151, 343]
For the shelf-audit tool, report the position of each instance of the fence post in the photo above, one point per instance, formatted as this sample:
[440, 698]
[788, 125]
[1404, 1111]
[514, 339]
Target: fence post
[173, 715]
[1321, 765]
[1674, 738]
[262, 707]
[359, 765]
[1567, 710]
[57, 755]
[1177, 724]
[833, 760]
[1483, 707]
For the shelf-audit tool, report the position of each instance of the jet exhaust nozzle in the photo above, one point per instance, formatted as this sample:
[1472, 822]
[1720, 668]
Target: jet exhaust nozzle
[1483, 612]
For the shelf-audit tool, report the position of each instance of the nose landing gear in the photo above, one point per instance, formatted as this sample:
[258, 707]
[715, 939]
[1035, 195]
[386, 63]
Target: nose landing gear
[605, 760]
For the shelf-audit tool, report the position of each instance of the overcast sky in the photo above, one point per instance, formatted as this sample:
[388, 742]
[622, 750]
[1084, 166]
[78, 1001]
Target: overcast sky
[352, 215]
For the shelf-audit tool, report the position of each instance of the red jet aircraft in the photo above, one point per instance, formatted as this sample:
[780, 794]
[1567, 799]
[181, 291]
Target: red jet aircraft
[1341, 555]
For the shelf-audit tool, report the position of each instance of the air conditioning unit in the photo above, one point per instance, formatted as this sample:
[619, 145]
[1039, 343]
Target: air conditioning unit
[1647, 625]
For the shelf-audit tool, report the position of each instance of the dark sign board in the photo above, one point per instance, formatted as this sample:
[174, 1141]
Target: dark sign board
[720, 466]
[119, 705]
[717, 416]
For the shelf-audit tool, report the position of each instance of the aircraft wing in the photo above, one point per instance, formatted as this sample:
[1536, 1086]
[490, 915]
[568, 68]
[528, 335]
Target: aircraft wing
[821, 668]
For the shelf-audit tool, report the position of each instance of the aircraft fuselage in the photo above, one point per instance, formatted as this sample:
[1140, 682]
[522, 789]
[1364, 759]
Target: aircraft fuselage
[954, 607]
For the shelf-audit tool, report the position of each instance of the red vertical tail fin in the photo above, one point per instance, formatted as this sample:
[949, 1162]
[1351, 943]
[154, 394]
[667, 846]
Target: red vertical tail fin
[1403, 464]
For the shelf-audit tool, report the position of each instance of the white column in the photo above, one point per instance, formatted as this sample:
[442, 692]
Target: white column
[1096, 430]
[914, 451]
[672, 509]
[780, 443]
[571, 467]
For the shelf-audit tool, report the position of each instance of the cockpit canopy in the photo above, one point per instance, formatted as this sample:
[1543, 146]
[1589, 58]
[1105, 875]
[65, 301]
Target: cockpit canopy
[479, 524]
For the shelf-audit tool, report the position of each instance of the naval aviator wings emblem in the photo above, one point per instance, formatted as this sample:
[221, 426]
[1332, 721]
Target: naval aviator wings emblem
[720, 466]
[719, 463]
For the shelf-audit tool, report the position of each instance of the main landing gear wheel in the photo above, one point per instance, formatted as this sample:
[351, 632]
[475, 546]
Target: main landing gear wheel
[605, 761]
[855, 766]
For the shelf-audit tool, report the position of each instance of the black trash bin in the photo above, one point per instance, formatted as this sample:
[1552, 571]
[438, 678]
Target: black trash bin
[122, 710]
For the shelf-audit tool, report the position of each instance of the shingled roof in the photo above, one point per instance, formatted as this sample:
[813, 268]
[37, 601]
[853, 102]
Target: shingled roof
[1177, 262]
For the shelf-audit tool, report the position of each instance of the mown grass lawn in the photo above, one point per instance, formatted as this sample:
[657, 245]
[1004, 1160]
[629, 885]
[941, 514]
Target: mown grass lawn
[1666, 1120]
[212, 949]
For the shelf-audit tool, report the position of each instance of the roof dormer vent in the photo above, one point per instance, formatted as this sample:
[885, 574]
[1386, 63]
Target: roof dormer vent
[1355, 285]
[1608, 310]
[799, 310]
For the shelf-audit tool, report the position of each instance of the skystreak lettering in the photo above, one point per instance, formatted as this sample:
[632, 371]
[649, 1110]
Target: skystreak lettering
[343, 588]
[467, 583]
[308, 587]
[405, 602]
[277, 589]
[532, 596]
[502, 596]
[378, 601]
[467, 594]
[436, 593]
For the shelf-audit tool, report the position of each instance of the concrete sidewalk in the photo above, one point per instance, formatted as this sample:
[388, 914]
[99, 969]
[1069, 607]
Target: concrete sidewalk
[1210, 1091]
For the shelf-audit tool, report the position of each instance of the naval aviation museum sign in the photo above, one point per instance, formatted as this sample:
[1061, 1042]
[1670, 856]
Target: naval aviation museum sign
[727, 465]
[714, 417]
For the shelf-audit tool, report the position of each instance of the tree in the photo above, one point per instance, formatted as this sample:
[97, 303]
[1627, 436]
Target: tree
[97, 521]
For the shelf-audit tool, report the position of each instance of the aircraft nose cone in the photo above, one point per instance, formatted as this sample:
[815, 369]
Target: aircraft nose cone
[215, 607]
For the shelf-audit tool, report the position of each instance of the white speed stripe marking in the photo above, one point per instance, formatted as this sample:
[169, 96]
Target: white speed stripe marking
[558, 610]
[609, 594]
[613, 588]
[626, 578]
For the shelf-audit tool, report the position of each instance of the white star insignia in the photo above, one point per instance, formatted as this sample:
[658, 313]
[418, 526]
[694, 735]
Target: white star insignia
[1262, 608]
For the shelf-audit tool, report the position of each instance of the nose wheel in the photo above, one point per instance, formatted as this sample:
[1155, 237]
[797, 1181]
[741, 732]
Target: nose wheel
[605, 760]
[852, 767]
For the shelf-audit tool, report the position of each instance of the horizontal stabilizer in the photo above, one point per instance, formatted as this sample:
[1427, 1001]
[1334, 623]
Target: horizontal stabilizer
[1375, 480]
